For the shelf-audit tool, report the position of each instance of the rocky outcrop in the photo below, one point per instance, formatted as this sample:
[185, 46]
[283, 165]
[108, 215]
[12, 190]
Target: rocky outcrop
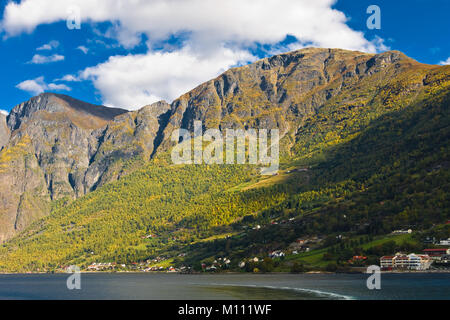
[4, 131]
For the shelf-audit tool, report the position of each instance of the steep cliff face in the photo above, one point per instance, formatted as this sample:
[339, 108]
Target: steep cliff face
[24, 196]
[4, 131]
[62, 147]
[129, 136]
[62, 138]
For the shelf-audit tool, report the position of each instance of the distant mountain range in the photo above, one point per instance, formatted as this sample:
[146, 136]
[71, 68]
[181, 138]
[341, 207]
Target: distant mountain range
[326, 102]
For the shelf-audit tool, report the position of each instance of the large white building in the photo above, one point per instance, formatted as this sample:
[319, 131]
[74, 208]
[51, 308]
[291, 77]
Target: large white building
[445, 242]
[411, 261]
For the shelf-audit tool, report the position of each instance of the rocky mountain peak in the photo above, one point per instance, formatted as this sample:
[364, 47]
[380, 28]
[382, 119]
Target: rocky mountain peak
[58, 106]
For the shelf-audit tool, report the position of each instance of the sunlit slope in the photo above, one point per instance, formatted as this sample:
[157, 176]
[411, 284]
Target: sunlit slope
[377, 152]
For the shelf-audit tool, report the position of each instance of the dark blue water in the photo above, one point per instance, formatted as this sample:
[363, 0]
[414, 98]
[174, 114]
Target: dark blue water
[225, 286]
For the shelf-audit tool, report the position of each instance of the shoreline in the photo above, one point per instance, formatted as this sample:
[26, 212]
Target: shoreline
[223, 273]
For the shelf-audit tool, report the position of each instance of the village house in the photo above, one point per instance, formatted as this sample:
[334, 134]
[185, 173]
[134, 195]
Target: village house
[387, 262]
[429, 240]
[445, 260]
[211, 268]
[409, 231]
[171, 269]
[300, 244]
[277, 254]
[357, 259]
[436, 254]
[445, 242]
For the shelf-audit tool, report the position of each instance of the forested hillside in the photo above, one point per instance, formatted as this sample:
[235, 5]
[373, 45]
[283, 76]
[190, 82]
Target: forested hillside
[365, 151]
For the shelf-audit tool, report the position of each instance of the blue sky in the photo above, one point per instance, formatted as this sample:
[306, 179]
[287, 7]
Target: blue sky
[130, 55]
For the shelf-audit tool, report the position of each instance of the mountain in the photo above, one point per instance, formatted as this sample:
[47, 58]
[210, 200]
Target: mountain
[278, 92]
[368, 127]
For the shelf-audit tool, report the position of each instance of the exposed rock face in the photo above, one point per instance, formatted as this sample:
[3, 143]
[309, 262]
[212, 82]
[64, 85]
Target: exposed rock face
[24, 196]
[275, 92]
[4, 131]
[128, 136]
[61, 131]
[49, 105]
[62, 147]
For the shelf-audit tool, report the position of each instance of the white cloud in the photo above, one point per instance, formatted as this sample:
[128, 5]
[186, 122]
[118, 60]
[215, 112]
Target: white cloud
[83, 49]
[40, 59]
[58, 87]
[216, 35]
[34, 86]
[68, 78]
[446, 62]
[237, 21]
[49, 46]
[38, 85]
[136, 80]
[126, 37]
[4, 112]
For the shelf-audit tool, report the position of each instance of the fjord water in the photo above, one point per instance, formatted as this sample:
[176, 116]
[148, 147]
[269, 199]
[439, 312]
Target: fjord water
[225, 286]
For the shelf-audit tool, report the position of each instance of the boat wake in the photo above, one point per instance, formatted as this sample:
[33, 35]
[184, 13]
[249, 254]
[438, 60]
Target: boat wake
[317, 293]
